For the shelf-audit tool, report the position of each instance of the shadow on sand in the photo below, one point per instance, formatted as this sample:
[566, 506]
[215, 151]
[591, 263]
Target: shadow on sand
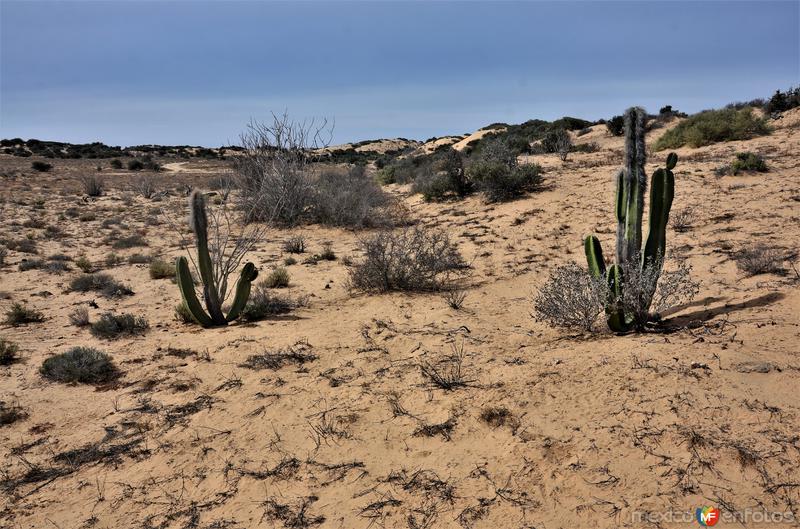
[698, 316]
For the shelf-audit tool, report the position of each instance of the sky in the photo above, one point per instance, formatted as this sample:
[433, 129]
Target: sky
[193, 72]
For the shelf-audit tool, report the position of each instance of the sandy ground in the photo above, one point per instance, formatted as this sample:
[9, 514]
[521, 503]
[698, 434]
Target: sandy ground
[592, 430]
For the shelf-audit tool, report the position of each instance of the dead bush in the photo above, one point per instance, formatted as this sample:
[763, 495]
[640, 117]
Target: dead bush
[570, 298]
[759, 259]
[349, 198]
[413, 259]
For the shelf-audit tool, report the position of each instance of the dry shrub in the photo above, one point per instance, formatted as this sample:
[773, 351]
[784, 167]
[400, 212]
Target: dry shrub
[683, 219]
[99, 282]
[145, 186]
[20, 314]
[111, 326]
[295, 244]
[160, 269]
[11, 413]
[570, 298]
[264, 303]
[654, 289]
[349, 198]
[79, 317]
[278, 278]
[84, 365]
[9, 352]
[759, 259]
[413, 259]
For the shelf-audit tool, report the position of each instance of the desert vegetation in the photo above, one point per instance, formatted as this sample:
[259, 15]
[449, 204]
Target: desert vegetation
[324, 343]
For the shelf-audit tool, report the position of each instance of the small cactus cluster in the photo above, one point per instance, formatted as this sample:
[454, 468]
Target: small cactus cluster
[198, 221]
[631, 184]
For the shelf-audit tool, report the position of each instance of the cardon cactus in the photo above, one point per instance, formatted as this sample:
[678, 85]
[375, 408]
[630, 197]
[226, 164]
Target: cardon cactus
[631, 183]
[211, 288]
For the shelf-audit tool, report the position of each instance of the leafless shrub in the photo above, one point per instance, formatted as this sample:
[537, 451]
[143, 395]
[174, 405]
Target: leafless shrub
[93, 185]
[413, 259]
[447, 374]
[570, 298]
[263, 303]
[759, 259]
[349, 198]
[683, 219]
[224, 184]
[653, 289]
[273, 170]
[295, 244]
[298, 354]
[455, 298]
[145, 186]
[79, 317]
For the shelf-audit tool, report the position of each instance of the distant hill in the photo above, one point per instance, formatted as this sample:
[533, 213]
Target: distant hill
[57, 149]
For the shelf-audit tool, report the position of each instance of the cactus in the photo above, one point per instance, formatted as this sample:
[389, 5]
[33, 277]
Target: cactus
[211, 291]
[631, 183]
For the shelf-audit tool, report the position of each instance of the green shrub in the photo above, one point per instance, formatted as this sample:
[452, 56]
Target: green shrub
[42, 167]
[499, 182]
[112, 326]
[99, 282]
[782, 101]
[116, 163]
[20, 314]
[713, 126]
[135, 165]
[432, 186]
[278, 278]
[84, 264]
[616, 125]
[161, 269]
[84, 365]
[9, 352]
[93, 185]
[748, 161]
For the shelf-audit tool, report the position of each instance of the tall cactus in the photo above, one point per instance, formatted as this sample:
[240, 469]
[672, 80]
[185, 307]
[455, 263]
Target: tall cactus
[198, 220]
[631, 183]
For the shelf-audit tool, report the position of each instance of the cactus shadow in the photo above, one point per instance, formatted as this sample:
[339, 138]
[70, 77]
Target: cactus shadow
[699, 316]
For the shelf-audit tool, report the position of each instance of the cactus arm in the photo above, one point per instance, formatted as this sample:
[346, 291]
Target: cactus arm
[661, 195]
[184, 279]
[246, 278]
[620, 210]
[594, 257]
[615, 313]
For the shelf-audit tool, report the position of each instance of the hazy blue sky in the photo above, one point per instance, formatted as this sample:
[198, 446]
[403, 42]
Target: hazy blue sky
[130, 72]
